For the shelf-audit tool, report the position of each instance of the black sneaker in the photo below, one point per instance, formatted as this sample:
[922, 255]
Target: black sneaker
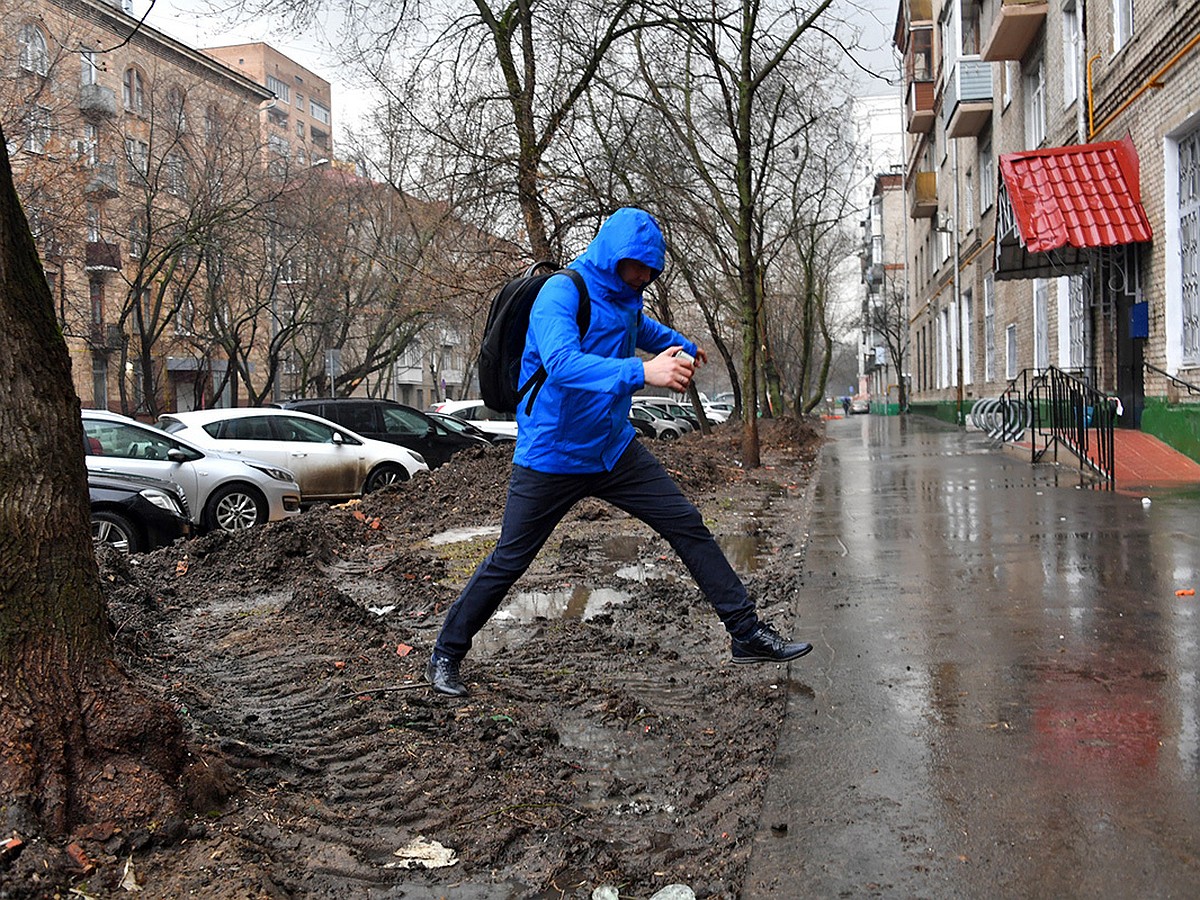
[442, 675]
[766, 644]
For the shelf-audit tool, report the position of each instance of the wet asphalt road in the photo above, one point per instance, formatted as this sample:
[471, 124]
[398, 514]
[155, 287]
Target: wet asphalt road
[1003, 700]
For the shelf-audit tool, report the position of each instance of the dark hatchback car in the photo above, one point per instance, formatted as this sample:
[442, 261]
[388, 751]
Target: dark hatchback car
[136, 513]
[386, 420]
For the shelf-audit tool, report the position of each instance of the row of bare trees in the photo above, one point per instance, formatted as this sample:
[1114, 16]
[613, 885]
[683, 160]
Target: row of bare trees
[728, 120]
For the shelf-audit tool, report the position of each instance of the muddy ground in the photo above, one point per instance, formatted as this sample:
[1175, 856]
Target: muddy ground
[608, 740]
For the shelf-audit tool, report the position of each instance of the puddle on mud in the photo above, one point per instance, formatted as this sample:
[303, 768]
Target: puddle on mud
[468, 533]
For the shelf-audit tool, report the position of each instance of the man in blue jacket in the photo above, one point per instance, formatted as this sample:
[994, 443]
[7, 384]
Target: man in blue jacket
[577, 442]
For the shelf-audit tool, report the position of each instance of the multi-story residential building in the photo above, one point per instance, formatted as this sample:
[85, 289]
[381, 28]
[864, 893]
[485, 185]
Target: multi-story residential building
[1051, 177]
[299, 124]
[126, 146]
[885, 340]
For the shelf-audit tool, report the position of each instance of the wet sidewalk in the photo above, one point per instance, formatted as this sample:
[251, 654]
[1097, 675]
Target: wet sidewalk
[1003, 700]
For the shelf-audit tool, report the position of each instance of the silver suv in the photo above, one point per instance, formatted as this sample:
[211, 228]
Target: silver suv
[223, 492]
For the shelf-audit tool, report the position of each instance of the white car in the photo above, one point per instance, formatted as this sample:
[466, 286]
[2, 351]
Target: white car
[331, 462]
[664, 427]
[480, 416]
[223, 493]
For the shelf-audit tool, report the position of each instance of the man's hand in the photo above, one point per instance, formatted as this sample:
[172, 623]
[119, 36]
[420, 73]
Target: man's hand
[669, 371]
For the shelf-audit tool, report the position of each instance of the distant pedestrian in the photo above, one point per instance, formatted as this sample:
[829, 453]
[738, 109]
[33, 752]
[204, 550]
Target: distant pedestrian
[577, 442]
[845, 406]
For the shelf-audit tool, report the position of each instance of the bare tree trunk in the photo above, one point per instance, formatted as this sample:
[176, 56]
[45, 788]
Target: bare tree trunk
[78, 743]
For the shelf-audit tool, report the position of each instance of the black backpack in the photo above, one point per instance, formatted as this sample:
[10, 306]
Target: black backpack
[504, 337]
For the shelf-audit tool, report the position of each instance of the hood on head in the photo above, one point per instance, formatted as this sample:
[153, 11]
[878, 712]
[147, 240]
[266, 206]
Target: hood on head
[628, 233]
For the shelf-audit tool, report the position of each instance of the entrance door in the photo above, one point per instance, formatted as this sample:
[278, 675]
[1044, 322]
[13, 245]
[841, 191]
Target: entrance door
[1123, 278]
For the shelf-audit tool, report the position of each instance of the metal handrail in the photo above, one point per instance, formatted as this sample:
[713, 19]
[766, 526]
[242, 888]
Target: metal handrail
[1068, 412]
[1190, 388]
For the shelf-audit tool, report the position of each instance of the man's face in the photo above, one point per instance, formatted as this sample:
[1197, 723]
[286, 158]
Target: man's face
[635, 274]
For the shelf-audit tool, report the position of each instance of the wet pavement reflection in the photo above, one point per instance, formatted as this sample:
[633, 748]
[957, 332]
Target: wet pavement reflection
[1003, 698]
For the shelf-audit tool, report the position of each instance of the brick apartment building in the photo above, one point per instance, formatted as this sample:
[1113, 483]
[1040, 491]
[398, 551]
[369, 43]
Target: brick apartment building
[1052, 185]
[298, 124]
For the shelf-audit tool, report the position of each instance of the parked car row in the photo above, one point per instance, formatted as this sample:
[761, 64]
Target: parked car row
[231, 469]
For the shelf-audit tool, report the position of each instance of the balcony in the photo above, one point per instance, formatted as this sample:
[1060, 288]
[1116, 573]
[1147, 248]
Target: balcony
[97, 102]
[105, 337]
[101, 256]
[967, 102]
[919, 107]
[103, 183]
[923, 199]
[1010, 27]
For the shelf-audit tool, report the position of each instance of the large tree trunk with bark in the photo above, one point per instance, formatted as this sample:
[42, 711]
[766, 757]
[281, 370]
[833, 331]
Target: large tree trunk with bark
[78, 742]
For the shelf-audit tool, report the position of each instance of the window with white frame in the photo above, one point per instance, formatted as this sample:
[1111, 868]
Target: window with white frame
[989, 327]
[37, 134]
[1010, 352]
[1071, 45]
[319, 111]
[1122, 23]
[279, 89]
[133, 90]
[1012, 71]
[987, 176]
[1189, 244]
[137, 157]
[1041, 324]
[176, 109]
[1077, 322]
[138, 237]
[967, 324]
[945, 350]
[1035, 105]
[88, 70]
[175, 172]
[33, 56]
[93, 222]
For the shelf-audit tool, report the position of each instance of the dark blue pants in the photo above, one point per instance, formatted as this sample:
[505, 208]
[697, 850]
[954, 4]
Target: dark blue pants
[537, 502]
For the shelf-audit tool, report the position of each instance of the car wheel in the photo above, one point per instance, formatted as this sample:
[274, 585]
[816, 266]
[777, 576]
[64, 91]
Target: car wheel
[115, 530]
[383, 476]
[234, 507]
[669, 434]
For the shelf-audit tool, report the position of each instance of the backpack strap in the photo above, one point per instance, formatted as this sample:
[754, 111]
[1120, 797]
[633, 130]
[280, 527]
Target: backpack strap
[583, 318]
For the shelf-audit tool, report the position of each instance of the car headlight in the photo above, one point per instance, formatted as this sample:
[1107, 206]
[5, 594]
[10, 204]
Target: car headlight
[162, 500]
[418, 457]
[274, 471]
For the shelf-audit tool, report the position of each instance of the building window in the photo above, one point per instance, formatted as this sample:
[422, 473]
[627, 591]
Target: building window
[1035, 106]
[137, 237]
[87, 148]
[133, 90]
[279, 89]
[1010, 352]
[96, 297]
[137, 156]
[212, 125]
[93, 222]
[37, 135]
[300, 129]
[1077, 322]
[1071, 41]
[319, 111]
[33, 55]
[1041, 325]
[988, 186]
[1122, 23]
[300, 102]
[1012, 71]
[185, 316]
[175, 171]
[176, 112]
[989, 327]
[1189, 244]
[99, 381]
[88, 70]
[967, 324]
[278, 144]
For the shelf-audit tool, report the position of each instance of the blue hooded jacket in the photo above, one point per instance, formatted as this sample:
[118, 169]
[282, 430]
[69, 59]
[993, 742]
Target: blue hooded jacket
[580, 420]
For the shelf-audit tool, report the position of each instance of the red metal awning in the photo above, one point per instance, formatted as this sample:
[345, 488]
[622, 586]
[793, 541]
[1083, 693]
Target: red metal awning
[1057, 203]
